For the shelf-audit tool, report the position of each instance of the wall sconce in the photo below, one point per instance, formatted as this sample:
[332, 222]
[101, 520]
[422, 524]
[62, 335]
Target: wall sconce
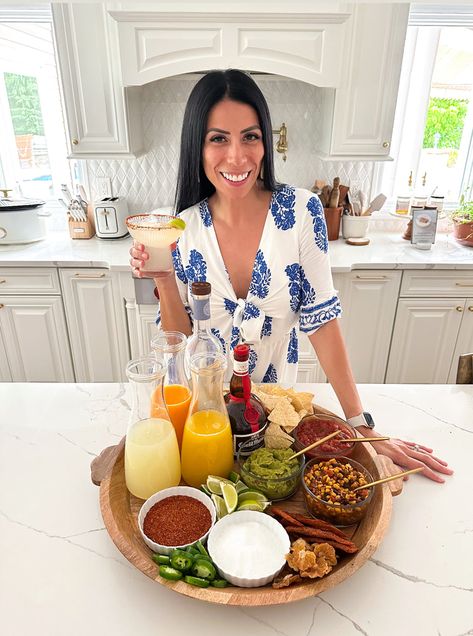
[281, 145]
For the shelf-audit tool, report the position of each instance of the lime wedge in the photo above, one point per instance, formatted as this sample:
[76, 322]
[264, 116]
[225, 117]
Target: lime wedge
[234, 476]
[251, 495]
[220, 506]
[230, 496]
[240, 487]
[205, 489]
[214, 483]
[178, 223]
[259, 506]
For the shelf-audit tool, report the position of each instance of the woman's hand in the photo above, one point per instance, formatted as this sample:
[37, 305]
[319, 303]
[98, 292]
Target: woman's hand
[407, 455]
[138, 258]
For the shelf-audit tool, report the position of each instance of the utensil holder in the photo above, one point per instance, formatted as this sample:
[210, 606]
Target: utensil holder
[332, 219]
[82, 229]
[355, 226]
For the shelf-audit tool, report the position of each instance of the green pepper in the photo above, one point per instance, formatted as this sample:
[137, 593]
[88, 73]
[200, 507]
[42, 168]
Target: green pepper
[181, 560]
[192, 550]
[161, 559]
[201, 548]
[169, 573]
[219, 583]
[204, 569]
[194, 580]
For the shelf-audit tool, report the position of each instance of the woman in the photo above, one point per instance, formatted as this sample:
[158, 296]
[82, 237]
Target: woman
[263, 246]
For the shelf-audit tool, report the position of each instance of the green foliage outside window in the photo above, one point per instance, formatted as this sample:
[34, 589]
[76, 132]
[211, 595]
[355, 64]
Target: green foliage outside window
[23, 98]
[445, 117]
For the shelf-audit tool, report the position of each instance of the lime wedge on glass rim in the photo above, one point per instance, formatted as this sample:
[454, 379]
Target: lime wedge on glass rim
[220, 506]
[230, 497]
[177, 223]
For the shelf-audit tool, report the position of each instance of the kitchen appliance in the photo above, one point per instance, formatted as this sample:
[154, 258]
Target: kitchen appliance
[110, 214]
[22, 221]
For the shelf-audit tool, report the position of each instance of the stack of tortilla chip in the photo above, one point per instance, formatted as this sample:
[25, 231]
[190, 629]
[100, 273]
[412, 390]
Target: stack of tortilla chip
[286, 408]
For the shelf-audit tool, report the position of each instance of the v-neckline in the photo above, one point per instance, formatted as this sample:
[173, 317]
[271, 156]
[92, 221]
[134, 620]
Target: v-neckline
[222, 262]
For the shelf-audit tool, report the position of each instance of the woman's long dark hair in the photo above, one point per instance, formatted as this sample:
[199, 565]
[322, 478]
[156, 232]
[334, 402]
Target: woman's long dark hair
[192, 184]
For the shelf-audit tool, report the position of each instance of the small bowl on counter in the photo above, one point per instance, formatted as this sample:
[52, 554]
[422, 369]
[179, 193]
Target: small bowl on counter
[248, 548]
[263, 469]
[314, 427]
[328, 490]
[165, 522]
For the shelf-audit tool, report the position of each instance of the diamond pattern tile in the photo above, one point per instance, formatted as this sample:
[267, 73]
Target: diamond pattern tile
[148, 182]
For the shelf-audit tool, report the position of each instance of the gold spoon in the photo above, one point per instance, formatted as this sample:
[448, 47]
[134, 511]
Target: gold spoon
[365, 439]
[390, 478]
[314, 445]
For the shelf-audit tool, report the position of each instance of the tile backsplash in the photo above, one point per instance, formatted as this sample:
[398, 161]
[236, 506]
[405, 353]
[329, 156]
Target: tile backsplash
[148, 181]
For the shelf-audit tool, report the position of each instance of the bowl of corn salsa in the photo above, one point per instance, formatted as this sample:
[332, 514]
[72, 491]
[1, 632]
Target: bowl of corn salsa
[328, 490]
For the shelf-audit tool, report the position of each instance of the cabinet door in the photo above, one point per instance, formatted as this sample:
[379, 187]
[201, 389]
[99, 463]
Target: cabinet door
[465, 339]
[5, 374]
[364, 105]
[99, 341]
[96, 104]
[424, 338]
[35, 339]
[309, 369]
[369, 300]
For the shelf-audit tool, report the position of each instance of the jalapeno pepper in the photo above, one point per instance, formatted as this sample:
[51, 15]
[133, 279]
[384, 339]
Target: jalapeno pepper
[201, 548]
[204, 569]
[161, 559]
[181, 560]
[169, 573]
[219, 583]
[192, 550]
[194, 580]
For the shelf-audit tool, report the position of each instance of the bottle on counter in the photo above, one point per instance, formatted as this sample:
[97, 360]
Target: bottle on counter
[202, 339]
[246, 413]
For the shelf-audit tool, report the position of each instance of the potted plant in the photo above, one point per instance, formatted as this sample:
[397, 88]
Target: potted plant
[462, 219]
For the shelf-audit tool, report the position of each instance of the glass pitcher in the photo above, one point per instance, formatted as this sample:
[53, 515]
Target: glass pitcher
[152, 460]
[207, 447]
[169, 348]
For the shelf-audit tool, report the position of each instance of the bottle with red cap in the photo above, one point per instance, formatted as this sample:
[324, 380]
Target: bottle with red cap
[246, 413]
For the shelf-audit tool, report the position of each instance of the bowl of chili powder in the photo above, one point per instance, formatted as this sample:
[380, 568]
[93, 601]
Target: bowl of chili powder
[313, 427]
[176, 518]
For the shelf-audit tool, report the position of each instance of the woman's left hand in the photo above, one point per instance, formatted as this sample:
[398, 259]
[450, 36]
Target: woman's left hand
[409, 455]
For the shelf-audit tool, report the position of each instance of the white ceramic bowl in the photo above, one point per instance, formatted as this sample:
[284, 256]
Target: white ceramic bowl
[236, 567]
[172, 492]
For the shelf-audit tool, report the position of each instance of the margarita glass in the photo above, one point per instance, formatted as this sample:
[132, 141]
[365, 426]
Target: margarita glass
[157, 232]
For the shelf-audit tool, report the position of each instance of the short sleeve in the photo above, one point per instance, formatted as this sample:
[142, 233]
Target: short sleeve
[182, 284]
[319, 302]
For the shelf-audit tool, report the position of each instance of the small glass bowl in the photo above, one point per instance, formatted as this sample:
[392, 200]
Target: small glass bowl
[338, 514]
[314, 427]
[275, 488]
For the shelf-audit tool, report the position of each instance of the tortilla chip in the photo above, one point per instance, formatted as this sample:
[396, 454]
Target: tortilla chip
[284, 414]
[272, 389]
[275, 437]
[302, 413]
[270, 401]
[306, 398]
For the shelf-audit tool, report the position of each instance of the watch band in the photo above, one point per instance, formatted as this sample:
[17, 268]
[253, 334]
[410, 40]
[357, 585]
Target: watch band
[363, 419]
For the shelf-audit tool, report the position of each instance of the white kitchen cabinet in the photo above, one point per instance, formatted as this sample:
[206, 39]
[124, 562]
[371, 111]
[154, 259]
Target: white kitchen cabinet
[304, 46]
[96, 323]
[309, 369]
[369, 299]
[5, 373]
[359, 115]
[103, 118]
[34, 335]
[464, 340]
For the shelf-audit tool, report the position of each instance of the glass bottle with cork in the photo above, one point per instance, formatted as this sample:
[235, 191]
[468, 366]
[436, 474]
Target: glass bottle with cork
[246, 413]
[202, 339]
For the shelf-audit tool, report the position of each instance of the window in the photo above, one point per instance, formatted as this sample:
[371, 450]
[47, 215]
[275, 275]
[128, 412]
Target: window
[433, 129]
[33, 152]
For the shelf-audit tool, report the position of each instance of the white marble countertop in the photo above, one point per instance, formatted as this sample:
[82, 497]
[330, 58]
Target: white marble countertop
[386, 250]
[61, 575]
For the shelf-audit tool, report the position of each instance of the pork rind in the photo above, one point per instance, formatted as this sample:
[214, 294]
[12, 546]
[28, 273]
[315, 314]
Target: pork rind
[313, 561]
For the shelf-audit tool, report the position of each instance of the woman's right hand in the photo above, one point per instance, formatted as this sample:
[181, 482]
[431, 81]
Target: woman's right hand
[138, 258]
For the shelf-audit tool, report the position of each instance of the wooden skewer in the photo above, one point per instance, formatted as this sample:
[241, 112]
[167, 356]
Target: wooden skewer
[314, 445]
[365, 439]
[390, 478]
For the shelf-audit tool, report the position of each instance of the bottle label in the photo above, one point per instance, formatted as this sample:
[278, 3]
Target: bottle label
[255, 440]
[201, 308]
[240, 367]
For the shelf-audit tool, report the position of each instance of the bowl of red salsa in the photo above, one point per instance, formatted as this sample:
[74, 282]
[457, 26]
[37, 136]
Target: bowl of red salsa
[314, 427]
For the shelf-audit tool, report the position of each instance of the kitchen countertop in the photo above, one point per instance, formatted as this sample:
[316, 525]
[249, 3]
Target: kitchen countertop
[387, 250]
[60, 573]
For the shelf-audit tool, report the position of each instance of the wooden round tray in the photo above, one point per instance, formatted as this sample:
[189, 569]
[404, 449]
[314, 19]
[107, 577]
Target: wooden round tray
[120, 510]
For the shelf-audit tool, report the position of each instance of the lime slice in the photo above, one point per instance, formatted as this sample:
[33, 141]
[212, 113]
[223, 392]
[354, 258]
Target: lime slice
[251, 495]
[220, 506]
[240, 487]
[214, 483]
[230, 496]
[178, 223]
[205, 489]
[259, 506]
[234, 476]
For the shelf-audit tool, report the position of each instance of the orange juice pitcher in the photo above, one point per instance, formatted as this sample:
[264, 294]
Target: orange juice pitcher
[169, 348]
[207, 447]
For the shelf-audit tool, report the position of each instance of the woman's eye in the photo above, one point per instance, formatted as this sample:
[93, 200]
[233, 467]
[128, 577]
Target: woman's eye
[217, 139]
[252, 136]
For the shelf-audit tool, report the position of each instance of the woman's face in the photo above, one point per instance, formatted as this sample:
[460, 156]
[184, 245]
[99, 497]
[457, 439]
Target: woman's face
[233, 148]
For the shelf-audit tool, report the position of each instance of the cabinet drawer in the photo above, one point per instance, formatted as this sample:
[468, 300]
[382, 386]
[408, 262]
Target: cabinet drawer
[28, 280]
[449, 284]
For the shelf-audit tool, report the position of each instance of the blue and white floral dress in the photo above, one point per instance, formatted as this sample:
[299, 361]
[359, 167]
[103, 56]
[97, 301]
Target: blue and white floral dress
[291, 287]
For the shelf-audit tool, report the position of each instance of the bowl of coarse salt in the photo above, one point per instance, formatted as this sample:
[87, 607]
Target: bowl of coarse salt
[249, 548]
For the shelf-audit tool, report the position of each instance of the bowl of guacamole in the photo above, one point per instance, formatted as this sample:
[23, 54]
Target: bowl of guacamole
[271, 471]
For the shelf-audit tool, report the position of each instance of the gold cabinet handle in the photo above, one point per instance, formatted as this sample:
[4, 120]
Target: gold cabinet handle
[459, 308]
[470, 308]
[75, 142]
[102, 275]
[1, 306]
[4, 280]
[464, 284]
[371, 277]
[386, 144]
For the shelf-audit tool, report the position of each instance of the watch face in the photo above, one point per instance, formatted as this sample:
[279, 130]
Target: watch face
[369, 420]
